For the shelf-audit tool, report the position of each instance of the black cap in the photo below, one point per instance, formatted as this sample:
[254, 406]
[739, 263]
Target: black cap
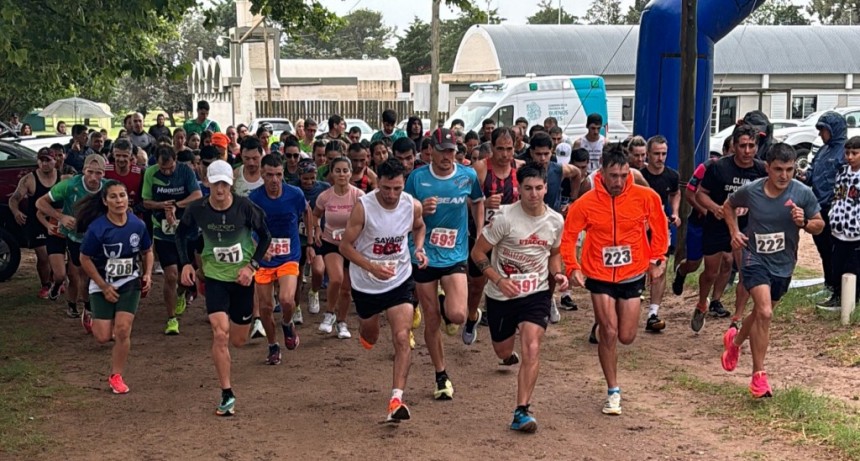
[209, 153]
[443, 139]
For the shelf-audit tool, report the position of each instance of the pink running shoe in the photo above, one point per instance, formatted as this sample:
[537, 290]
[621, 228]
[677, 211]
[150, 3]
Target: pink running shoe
[43, 292]
[732, 352]
[117, 385]
[759, 387]
[87, 321]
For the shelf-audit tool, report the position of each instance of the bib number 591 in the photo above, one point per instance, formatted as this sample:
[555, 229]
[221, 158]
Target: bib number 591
[526, 283]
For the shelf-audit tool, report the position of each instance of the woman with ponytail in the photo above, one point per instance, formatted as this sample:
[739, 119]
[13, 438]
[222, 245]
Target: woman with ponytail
[116, 256]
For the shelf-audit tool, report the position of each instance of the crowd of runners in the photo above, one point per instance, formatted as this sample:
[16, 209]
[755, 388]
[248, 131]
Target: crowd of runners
[458, 230]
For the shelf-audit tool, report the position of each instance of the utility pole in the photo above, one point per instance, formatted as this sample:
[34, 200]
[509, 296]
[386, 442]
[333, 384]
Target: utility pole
[559, 12]
[268, 71]
[434, 65]
[686, 112]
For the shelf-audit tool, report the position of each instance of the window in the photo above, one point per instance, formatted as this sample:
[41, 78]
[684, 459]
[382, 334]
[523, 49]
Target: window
[504, 116]
[627, 109]
[728, 111]
[803, 106]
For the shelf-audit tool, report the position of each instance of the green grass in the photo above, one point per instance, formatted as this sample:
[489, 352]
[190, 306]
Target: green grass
[845, 348]
[29, 386]
[810, 417]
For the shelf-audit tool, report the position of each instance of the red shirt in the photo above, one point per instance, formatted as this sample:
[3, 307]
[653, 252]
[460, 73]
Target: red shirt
[133, 182]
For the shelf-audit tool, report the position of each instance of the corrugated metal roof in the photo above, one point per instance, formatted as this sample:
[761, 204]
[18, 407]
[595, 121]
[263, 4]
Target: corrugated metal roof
[363, 70]
[611, 50]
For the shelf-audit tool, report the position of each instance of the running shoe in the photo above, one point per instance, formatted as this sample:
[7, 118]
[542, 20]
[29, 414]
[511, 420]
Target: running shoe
[117, 385]
[343, 331]
[313, 302]
[297, 316]
[227, 405]
[416, 318]
[451, 329]
[157, 269]
[732, 352]
[43, 292]
[444, 389]
[274, 357]
[411, 340]
[592, 338]
[470, 330]
[72, 311]
[368, 346]
[257, 331]
[833, 304]
[54, 291]
[277, 308]
[716, 309]
[678, 283]
[87, 321]
[181, 304]
[291, 337]
[613, 404]
[172, 327]
[759, 387]
[510, 361]
[698, 320]
[328, 322]
[554, 314]
[397, 411]
[654, 324]
[485, 321]
[568, 304]
[523, 421]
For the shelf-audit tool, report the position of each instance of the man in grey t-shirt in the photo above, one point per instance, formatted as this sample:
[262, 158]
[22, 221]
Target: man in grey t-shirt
[779, 207]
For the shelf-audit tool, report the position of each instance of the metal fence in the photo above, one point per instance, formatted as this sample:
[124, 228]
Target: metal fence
[320, 110]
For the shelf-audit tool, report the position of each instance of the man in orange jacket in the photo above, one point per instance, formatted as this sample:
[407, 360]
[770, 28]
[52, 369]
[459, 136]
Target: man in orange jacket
[616, 255]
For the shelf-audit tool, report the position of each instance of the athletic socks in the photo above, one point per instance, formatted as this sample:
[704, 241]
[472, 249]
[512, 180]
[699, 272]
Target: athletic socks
[227, 393]
[652, 310]
[613, 390]
[397, 394]
[441, 376]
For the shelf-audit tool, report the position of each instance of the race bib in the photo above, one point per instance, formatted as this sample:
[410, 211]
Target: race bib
[617, 256]
[766, 244]
[167, 228]
[279, 247]
[119, 267]
[443, 238]
[389, 263]
[337, 234]
[527, 283]
[228, 255]
[302, 228]
[489, 215]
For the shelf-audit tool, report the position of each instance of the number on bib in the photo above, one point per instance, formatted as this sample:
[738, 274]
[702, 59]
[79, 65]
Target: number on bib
[279, 247]
[489, 215]
[443, 238]
[119, 267]
[766, 244]
[167, 228]
[302, 228]
[337, 234]
[617, 256]
[527, 283]
[228, 255]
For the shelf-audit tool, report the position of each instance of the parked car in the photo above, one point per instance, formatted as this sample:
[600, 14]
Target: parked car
[778, 124]
[32, 142]
[15, 162]
[366, 130]
[803, 135]
[615, 132]
[278, 126]
[817, 143]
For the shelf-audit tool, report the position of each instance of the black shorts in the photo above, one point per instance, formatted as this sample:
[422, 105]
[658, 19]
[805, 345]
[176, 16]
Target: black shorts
[753, 275]
[474, 272]
[168, 253]
[37, 235]
[55, 245]
[504, 317]
[329, 248]
[230, 297]
[367, 305]
[432, 274]
[74, 252]
[626, 290]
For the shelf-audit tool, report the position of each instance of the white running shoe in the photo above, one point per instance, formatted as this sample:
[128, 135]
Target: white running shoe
[257, 331]
[313, 302]
[156, 269]
[554, 314]
[328, 322]
[297, 316]
[343, 331]
[613, 404]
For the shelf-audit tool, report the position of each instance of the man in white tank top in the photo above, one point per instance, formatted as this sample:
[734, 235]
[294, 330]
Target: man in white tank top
[592, 141]
[248, 176]
[376, 243]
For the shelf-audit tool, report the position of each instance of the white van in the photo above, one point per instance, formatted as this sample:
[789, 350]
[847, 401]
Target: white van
[570, 99]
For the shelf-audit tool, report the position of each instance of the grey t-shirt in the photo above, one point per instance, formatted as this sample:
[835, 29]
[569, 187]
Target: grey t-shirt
[773, 235]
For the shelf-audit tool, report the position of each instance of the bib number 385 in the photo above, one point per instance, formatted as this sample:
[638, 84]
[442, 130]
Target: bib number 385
[279, 247]
[228, 255]
[769, 243]
[617, 256]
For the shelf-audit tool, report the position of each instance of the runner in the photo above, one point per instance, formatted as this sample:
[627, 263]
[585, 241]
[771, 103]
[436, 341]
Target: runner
[69, 192]
[615, 256]
[335, 205]
[593, 141]
[114, 245]
[526, 240]
[444, 190]
[722, 178]
[312, 190]
[362, 176]
[31, 188]
[779, 207]
[284, 206]
[168, 188]
[230, 260]
[381, 274]
[122, 170]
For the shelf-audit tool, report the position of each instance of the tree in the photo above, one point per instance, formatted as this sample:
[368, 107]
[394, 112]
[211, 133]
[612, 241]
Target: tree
[548, 14]
[778, 13]
[844, 12]
[604, 12]
[634, 12]
[361, 34]
[412, 51]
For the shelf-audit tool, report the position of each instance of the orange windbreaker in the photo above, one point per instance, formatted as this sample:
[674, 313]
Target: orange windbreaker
[615, 221]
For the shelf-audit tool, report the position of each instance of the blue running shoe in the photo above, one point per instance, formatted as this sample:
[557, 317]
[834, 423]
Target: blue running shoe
[523, 421]
[226, 407]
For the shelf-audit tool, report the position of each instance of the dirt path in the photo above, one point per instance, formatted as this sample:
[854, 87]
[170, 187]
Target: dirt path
[327, 398]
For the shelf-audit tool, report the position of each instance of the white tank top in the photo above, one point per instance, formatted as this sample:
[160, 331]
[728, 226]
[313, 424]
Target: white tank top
[384, 240]
[241, 186]
[595, 151]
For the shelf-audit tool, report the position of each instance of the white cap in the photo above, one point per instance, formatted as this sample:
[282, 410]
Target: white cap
[219, 171]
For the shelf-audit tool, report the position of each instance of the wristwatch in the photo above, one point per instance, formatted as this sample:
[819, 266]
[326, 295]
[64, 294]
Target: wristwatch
[254, 265]
[805, 222]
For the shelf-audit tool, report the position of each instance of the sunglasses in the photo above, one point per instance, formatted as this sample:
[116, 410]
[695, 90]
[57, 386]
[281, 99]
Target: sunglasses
[291, 155]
